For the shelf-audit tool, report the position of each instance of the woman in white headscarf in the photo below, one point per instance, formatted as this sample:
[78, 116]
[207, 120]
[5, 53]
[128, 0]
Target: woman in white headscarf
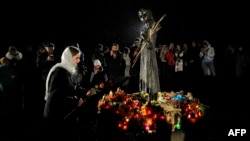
[62, 97]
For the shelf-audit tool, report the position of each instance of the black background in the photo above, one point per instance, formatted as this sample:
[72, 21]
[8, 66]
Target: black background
[106, 21]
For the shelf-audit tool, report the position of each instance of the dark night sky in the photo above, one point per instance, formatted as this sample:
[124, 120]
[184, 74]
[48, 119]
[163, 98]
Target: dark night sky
[101, 21]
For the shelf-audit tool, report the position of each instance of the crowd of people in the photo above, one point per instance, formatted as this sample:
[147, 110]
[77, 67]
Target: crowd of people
[26, 87]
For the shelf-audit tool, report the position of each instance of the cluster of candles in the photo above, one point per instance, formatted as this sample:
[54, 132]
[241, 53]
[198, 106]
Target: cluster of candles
[133, 108]
[193, 111]
[137, 111]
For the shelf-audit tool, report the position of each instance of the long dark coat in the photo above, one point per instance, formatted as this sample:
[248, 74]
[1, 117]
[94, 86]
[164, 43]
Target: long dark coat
[60, 122]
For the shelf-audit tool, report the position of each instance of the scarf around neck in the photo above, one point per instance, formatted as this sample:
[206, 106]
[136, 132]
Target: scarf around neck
[66, 63]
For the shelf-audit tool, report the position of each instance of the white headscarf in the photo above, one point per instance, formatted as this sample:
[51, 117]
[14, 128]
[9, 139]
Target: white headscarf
[66, 63]
[97, 62]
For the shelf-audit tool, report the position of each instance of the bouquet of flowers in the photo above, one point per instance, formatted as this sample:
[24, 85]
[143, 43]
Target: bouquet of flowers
[97, 88]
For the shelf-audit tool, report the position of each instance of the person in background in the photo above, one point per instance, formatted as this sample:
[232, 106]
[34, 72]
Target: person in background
[88, 122]
[115, 67]
[193, 63]
[99, 54]
[7, 79]
[207, 63]
[163, 66]
[98, 75]
[134, 71]
[127, 61]
[16, 62]
[14, 54]
[242, 61]
[45, 60]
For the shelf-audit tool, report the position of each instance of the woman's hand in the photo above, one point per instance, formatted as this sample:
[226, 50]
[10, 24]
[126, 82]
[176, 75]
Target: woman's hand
[80, 102]
[88, 93]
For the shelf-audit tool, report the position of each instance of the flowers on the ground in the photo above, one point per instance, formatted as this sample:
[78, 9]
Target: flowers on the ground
[140, 111]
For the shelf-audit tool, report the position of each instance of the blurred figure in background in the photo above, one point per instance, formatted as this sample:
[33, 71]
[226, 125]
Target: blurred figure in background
[207, 55]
